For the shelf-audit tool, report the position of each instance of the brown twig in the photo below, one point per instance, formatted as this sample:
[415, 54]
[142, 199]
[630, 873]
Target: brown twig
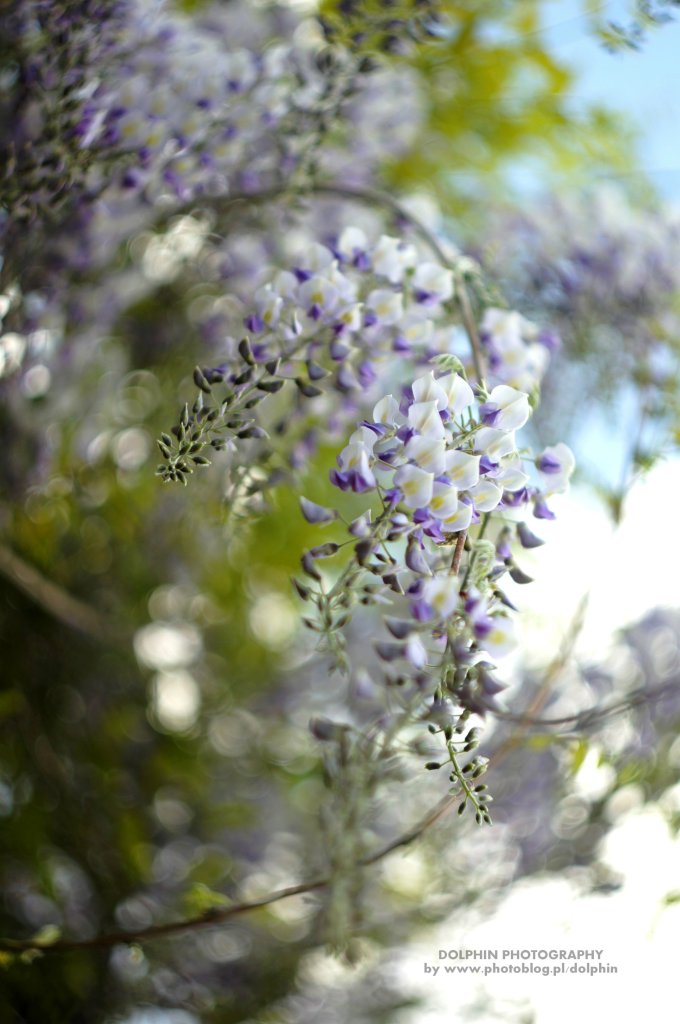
[52, 598]
[222, 915]
[470, 328]
[365, 196]
[458, 552]
[526, 718]
[580, 720]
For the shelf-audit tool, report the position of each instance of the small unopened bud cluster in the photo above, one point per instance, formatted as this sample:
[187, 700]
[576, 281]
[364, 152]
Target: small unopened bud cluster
[215, 425]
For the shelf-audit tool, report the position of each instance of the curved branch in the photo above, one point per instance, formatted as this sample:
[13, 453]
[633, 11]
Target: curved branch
[368, 197]
[584, 719]
[220, 914]
[223, 914]
[525, 718]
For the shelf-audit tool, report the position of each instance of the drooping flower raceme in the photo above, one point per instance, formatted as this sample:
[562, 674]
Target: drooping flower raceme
[443, 472]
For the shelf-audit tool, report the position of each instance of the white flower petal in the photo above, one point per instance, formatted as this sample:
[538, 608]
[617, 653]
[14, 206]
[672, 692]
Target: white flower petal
[354, 456]
[504, 326]
[460, 521]
[386, 411]
[415, 484]
[424, 417]
[459, 394]
[427, 452]
[392, 257]
[494, 443]
[435, 280]
[365, 437]
[441, 593]
[415, 328]
[501, 639]
[387, 306]
[557, 482]
[462, 469]
[511, 475]
[513, 406]
[352, 240]
[426, 389]
[318, 291]
[486, 496]
[444, 501]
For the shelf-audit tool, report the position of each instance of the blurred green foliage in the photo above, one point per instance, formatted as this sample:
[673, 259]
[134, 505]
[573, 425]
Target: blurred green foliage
[499, 103]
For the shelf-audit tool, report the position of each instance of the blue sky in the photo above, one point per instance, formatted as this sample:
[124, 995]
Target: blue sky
[645, 84]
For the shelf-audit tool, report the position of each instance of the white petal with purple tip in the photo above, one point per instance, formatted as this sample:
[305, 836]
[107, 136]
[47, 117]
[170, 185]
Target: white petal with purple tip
[434, 280]
[560, 459]
[512, 407]
[352, 240]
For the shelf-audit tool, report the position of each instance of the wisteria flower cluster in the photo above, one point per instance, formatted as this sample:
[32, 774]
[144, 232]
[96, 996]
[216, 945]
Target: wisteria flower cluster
[164, 100]
[447, 483]
[377, 297]
[324, 322]
[329, 322]
[448, 461]
[436, 465]
[211, 178]
[51, 57]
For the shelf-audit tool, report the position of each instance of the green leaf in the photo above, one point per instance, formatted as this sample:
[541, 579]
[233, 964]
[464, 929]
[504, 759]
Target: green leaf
[47, 936]
[200, 899]
[540, 742]
[578, 755]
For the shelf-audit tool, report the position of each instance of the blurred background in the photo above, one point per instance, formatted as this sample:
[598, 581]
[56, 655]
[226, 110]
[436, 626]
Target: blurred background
[156, 683]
